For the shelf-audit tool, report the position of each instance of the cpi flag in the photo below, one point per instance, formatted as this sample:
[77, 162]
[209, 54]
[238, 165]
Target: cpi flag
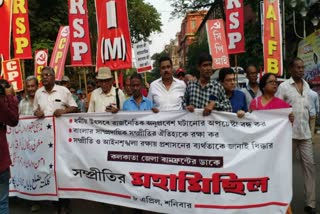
[40, 61]
[235, 26]
[60, 50]
[217, 43]
[21, 32]
[79, 33]
[5, 26]
[12, 73]
[114, 44]
[272, 44]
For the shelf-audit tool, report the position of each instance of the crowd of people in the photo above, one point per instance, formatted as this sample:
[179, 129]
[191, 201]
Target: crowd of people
[171, 92]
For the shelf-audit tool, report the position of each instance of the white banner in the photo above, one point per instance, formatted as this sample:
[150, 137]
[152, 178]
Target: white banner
[178, 162]
[32, 148]
[143, 58]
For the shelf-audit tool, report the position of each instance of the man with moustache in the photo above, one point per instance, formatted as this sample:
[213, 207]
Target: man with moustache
[26, 104]
[167, 92]
[205, 93]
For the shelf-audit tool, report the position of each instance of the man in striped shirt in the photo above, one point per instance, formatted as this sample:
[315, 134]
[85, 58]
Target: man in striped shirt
[26, 104]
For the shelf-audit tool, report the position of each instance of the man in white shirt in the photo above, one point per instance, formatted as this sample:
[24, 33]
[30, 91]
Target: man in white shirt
[106, 98]
[167, 92]
[52, 99]
[314, 110]
[295, 91]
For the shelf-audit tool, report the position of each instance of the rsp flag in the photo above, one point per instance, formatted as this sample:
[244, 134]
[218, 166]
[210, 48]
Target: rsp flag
[79, 33]
[12, 73]
[272, 44]
[59, 54]
[114, 42]
[21, 31]
[235, 26]
[5, 26]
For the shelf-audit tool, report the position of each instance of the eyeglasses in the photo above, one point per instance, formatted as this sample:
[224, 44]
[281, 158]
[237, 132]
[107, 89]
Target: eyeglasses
[272, 82]
[46, 75]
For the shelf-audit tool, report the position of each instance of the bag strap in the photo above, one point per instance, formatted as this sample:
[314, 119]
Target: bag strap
[251, 93]
[117, 98]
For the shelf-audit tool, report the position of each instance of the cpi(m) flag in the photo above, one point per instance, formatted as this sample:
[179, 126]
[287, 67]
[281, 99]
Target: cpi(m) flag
[217, 43]
[114, 44]
[79, 33]
[5, 26]
[272, 44]
[235, 26]
[21, 32]
[59, 54]
[12, 73]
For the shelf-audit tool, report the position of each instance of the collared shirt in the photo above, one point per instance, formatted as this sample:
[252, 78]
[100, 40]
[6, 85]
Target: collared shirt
[26, 106]
[58, 98]
[167, 100]
[300, 107]
[238, 101]
[314, 103]
[131, 105]
[250, 94]
[199, 96]
[99, 100]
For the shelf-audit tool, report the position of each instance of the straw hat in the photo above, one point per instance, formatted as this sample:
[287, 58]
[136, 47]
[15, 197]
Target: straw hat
[104, 73]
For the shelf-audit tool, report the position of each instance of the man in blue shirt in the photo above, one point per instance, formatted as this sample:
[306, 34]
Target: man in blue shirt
[237, 98]
[137, 102]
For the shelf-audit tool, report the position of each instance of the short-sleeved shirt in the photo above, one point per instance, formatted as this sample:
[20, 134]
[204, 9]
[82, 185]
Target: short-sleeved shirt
[167, 100]
[26, 106]
[238, 101]
[100, 100]
[131, 105]
[58, 98]
[199, 96]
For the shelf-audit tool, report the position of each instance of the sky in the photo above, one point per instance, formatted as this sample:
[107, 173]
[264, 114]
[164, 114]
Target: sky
[169, 27]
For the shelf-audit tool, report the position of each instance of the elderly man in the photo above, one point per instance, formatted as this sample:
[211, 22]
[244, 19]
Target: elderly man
[8, 116]
[26, 104]
[167, 92]
[106, 98]
[295, 91]
[52, 99]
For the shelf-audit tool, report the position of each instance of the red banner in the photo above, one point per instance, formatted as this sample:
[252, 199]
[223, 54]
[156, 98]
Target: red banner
[12, 73]
[217, 43]
[21, 31]
[59, 54]
[235, 26]
[79, 33]
[40, 61]
[5, 26]
[114, 44]
[272, 44]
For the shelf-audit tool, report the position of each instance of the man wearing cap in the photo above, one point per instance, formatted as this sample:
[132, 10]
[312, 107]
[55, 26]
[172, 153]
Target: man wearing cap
[106, 98]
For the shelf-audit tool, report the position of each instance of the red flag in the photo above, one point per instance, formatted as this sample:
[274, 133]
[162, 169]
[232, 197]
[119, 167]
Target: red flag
[5, 26]
[40, 61]
[12, 73]
[217, 43]
[114, 44]
[235, 26]
[21, 31]
[79, 33]
[59, 54]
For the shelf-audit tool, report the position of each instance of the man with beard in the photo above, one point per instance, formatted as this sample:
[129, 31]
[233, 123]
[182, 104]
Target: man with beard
[167, 92]
[205, 93]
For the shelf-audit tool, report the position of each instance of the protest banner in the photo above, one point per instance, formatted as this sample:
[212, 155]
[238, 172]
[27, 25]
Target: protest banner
[5, 26]
[40, 61]
[235, 26]
[143, 58]
[80, 47]
[272, 43]
[12, 73]
[32, 147]
[21, 31]
[177, 162]
[59, 54]
[217, 43]
[114, 41]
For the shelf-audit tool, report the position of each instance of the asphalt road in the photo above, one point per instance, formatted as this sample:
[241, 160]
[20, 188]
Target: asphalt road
[18, 206]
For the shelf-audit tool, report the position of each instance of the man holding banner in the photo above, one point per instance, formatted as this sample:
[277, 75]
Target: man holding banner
[8, 116]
